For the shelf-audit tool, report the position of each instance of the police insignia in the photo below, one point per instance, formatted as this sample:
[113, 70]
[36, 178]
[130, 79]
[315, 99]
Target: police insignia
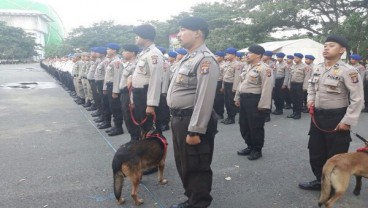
[154, 59]
[354, 77]
[268, 72]
[205, 66]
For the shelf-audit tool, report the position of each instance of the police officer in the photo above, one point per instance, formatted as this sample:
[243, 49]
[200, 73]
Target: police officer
[308, 60]
[129, 55]
[280, 83]
[77, 81]
[219, 99]
[100, 74]
[181, 53]
[147, 77]
[83, 75]
[231, 70]
[95, 60]
[163, 111]
[298, 75]
[111, 88]
[172, 61]
[335, 91]
[190, 98]
[267, 59]
[354, 61]
[254, 96]
[290, 63]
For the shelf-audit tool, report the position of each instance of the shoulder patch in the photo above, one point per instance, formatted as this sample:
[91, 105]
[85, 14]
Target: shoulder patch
[354, 77]
[205, 67]
[154, 59]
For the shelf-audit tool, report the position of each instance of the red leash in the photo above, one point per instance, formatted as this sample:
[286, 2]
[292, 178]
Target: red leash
[132, 115]
[311, 112]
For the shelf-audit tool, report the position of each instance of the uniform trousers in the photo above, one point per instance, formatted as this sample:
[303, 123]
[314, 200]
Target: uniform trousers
[193, 162]
[115, 107]
[80, 91]
[251, 121]
[96, 97]
[322, 145]
[279, 93]
[105, 108]
[229, 100]
[366, 93]
[163, 111]
[218, 105]
[133, 129]
[140, 105]
[296, 93]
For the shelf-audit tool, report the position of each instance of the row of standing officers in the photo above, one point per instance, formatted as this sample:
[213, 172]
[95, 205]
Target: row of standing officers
[334, 88]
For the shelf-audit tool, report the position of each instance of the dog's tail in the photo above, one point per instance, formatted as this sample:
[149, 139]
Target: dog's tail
[326, 183]
[118, 184]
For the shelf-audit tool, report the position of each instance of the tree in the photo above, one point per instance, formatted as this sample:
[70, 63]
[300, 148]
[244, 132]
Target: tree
[15, 43]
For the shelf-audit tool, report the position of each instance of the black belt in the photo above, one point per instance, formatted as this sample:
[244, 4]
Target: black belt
[140, 90]
[84, 77]
[296, 83]
[280, 77]
[249, 95]
[181, 112]
[109, 83]
[335, 111]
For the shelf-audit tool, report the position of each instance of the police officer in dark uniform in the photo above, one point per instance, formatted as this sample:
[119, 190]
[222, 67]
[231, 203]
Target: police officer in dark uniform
[147, 76]
[129, 55]
[111, 85]
[190, 97]
[335, 91]
[219, 99]
[254, 96]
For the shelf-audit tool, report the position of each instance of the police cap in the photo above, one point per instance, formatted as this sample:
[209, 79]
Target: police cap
[299, 55]
[256, 49]
[146, 32]
[131, 48]
[338, 39]
[195, 23]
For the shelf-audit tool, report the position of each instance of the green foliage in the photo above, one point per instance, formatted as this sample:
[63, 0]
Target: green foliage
[239, 23]
[15, 43]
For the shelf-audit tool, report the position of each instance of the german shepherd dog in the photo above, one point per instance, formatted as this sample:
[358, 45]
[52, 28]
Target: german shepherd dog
[132, 158]
[336, 175]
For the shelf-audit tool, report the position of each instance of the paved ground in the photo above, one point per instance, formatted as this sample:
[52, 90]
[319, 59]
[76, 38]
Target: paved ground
[51, 155]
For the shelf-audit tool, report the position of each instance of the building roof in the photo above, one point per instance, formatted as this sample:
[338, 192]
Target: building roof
[15, 12]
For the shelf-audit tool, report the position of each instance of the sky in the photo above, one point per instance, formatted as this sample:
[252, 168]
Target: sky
[75, 13]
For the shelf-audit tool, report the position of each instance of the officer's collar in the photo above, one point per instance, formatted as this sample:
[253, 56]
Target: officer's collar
[198, 50]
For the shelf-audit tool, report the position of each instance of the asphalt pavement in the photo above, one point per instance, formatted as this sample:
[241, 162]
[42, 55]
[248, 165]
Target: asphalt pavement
[52, 155]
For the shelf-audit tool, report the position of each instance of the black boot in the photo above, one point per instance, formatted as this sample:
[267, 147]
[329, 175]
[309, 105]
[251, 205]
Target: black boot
[229, 121]
[311, 185]
[291, 115]
[87, 104]
[98, 120]
[104, 125]
[116, 131]
[277, 112]
[96, 114]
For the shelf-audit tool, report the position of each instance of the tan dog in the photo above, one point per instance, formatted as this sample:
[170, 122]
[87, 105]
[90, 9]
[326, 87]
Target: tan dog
[132, 158]
[336, 175]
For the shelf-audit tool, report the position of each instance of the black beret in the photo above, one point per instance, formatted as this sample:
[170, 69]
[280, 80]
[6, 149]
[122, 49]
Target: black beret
[145, 32]
[195, 23]
[257, 49]
[338, 39]
[131, 48]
